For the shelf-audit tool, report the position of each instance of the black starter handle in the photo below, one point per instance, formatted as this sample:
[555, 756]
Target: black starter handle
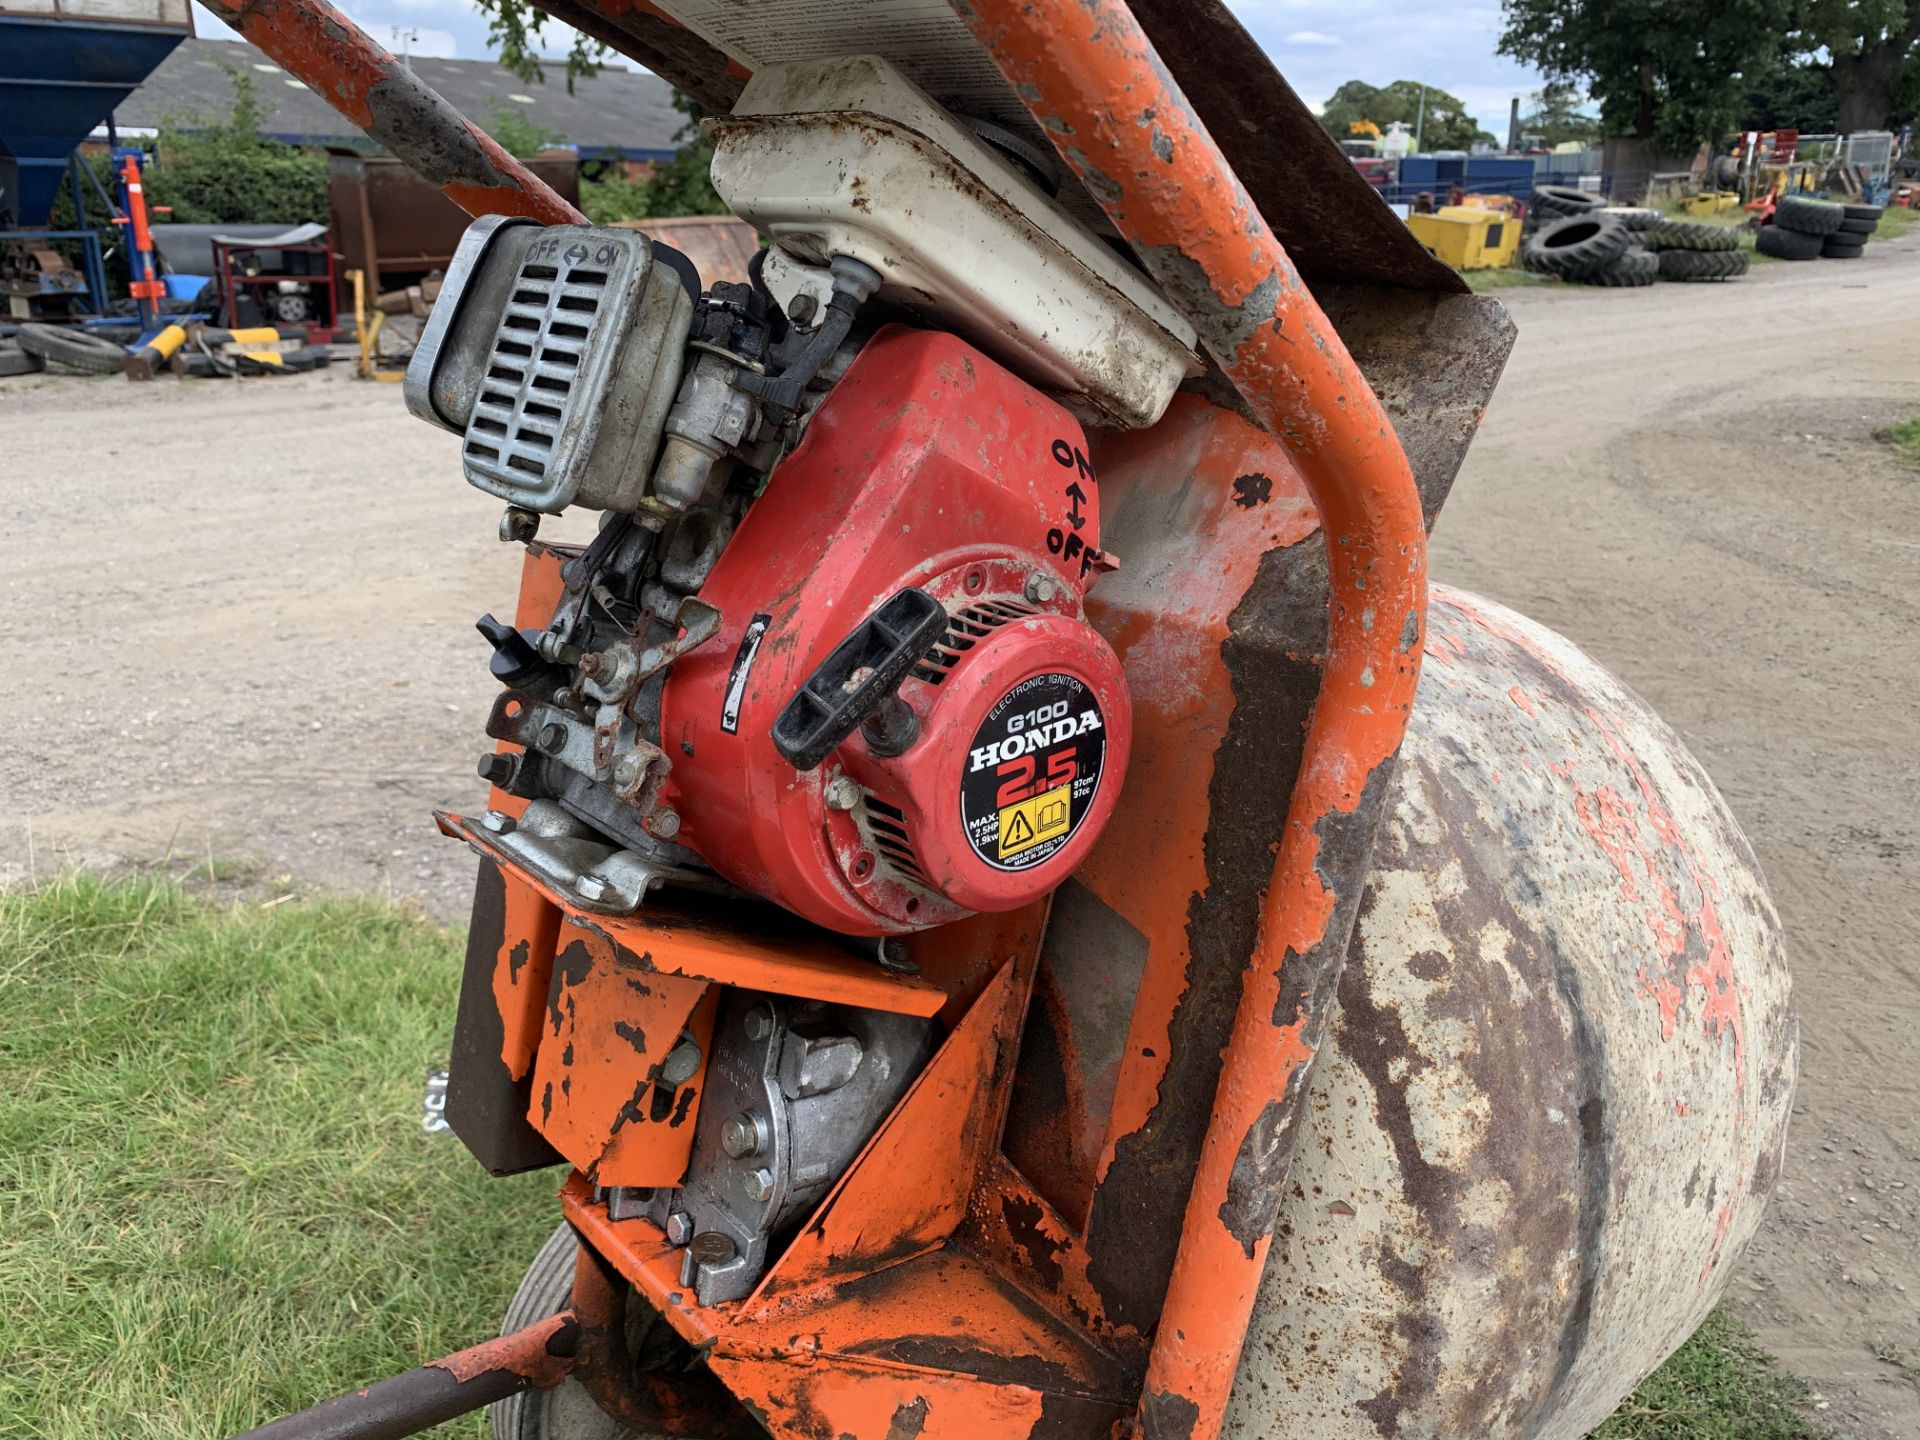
[832, 704]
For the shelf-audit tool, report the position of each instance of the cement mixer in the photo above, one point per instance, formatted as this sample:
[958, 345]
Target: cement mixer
[1008, 901]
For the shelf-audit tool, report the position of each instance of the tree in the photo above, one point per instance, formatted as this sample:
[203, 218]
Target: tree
[518, 135]
[224, 172]
[1667, 71]
[1444, 125]
[1871, 42]
[683, 186]
[1556, 117]
[516, 29]
[1789, 95]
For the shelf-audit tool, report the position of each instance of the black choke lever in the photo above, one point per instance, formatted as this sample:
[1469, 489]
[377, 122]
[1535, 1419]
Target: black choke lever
[854, 685]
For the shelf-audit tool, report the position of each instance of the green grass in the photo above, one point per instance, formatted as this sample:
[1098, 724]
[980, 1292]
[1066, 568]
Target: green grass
[1905, 438]
[1720, 1385]
[1510, 278]
[1895, 223]
[216, 1201]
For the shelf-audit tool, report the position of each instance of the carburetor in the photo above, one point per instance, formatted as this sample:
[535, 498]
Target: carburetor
[828, 645]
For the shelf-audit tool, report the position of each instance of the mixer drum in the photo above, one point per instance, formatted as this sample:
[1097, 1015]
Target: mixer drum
[1557, 1096]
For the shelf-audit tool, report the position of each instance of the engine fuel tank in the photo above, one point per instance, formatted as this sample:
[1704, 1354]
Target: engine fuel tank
[1557, 1097]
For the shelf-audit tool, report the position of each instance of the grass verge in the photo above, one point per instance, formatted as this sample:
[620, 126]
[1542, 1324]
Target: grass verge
[216, 1201]
[1905, 439]
[1894, 223]
[217, 1205]
[1720, 1385]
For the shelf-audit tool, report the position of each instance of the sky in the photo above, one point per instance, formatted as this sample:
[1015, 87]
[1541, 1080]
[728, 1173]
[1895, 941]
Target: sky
[1317, 44]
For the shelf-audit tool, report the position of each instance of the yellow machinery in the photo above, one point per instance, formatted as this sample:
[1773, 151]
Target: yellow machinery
[1711, 202]
[1468, 237]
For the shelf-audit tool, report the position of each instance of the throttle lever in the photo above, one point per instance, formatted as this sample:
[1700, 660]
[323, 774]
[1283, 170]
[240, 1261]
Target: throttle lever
[854, 685]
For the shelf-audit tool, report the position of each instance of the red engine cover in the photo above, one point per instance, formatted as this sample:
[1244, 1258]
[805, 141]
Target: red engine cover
[929, 466]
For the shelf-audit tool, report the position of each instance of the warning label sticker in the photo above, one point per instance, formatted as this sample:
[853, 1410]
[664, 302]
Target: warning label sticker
[1032, 771]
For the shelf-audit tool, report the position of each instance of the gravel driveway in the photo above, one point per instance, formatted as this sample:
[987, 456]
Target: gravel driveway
[240, 628]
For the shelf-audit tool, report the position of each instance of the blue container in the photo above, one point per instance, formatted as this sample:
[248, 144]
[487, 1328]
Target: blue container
[58, 79]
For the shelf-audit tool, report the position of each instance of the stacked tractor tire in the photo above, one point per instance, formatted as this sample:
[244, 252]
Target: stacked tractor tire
[1807, 229]
[1583, 240]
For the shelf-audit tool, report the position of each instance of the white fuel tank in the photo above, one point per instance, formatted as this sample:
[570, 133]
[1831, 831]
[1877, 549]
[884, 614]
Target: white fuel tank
[848, 157]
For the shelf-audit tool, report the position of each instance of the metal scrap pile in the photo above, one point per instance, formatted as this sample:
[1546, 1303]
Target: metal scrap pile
[194, 350]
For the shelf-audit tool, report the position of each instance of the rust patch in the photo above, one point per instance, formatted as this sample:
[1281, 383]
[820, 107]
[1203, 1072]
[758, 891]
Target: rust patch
[1167, 1417]
[1271, 653]
[909, 1420]
[1252, 490]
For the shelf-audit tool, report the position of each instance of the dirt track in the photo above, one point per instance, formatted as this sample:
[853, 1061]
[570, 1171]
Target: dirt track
[238, 628]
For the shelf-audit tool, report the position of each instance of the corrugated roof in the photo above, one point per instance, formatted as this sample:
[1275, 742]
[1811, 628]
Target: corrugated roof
[617, 111]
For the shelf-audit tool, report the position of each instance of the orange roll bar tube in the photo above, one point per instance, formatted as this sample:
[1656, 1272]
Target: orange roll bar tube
[1089, 75]
[313, 41]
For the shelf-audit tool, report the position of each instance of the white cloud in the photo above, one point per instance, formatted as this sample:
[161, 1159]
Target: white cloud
[1311, 37]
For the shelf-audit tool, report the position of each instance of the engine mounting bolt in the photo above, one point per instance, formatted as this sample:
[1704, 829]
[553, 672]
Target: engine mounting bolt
[679, 1228]
[591, 887]
[758, 1024]
[711, 1247]
[495, 768]
[1041, 589]
[760, 1186]
[682, 1063]
[497, 823]
[740, 1136]
[518, 526]
[665, 824]
[842, 793]
[626, 770]
[553, 739]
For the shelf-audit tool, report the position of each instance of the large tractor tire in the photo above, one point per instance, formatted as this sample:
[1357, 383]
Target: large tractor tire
[73, 348]
[1691, 235]
[1578, 246]
[1695, 265]
[15, 361]
[1808, 217]
[1787, 244]
[1634, 217]
[1634, 267]
[1560, 202]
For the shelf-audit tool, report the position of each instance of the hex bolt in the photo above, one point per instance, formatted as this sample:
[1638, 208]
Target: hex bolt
[1041, 589]
[664, 825]
[518, 526]
[682, 1063]
[496, 823]
[760, 1186]
[740, 1135]
[842, 793]
[591, 887]
[679, 1228]
[495, 768]
[758, 1023]
[712, 1247]
[553, 739]
[803, 308]
[626, 770]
